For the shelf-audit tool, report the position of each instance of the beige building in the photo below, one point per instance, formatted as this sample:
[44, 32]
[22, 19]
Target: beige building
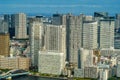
[14, 63]
[24, 63]
[19, 22]
[4, 44]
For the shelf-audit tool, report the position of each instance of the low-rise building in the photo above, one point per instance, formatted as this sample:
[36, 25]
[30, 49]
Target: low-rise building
[24, 63]
[51, 62]
[91, 72]
[14, 63]
[118, 66]
[104, 74]
[79, 73]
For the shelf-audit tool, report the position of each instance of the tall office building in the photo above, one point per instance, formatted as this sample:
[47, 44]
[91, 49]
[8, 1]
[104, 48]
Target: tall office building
[106, 33]
[117, 32]
[90, 35]
[101, 14]
[74, 37]
[117, 23]
[4, 44]
[36, 31]
[7, 19]
[3, 26]
[59, 19]
[19, 22]
[12, 20]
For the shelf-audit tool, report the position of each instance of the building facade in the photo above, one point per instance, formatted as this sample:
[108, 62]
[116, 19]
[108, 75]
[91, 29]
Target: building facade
[51, 62]
[74, 31]
[117, 22]
[55, 38]
[14, 63]
[59, 19]
[106, 33]
[4, 44]
[4, 27]
[90, 35]
[19, 23]
[86, 58]
[36, 34]
[53, 53]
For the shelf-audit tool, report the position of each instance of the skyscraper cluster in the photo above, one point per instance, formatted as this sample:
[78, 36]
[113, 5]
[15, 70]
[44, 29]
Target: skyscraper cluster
[76, 43]
[74, 37]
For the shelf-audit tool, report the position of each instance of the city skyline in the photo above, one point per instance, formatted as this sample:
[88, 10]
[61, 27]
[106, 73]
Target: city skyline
[60, 6]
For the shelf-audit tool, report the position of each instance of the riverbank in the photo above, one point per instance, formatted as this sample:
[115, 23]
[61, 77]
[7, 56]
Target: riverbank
[37, 74]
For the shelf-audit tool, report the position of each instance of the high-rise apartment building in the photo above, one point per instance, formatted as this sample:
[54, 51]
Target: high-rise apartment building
[74, 37]
[19, 22]
[90, 35]
[36, 32]
[54, 50]
[55, 38]
[106, 34]
[4, 44]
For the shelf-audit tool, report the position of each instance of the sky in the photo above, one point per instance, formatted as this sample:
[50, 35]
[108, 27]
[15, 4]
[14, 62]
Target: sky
[59, 6]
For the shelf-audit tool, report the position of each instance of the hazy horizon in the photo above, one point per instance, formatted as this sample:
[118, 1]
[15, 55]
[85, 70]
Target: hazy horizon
[59, 6]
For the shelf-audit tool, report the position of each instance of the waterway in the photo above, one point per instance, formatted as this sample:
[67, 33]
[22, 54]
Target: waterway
[33, 78]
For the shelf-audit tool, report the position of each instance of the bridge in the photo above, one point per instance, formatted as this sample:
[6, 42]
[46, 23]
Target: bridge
[13, 73]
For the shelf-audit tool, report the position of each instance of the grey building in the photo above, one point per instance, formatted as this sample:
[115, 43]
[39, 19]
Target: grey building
[7, 19]
[4, 26]
[106, 34]
[74, 38]
[36, 34]
[59, 19]
[19, 23]
[117, 22]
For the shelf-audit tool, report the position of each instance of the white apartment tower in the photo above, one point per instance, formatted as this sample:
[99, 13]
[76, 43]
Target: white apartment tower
[90, 35]
[74, 29]
[20, 25]
[106, 33]
[36, 34]
[53, 54]
[55, 38]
